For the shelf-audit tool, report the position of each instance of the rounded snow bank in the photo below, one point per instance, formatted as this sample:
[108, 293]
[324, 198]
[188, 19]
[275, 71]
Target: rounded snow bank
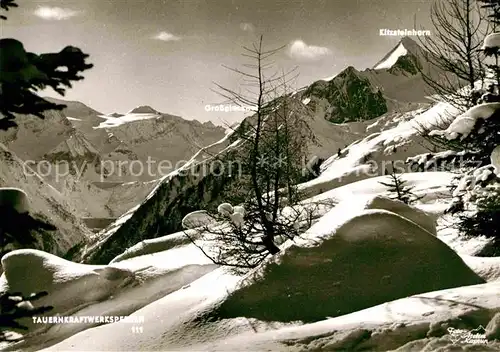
[94, 290]
[366, 259]
[195, 219]
[69, 285]
[419, 217]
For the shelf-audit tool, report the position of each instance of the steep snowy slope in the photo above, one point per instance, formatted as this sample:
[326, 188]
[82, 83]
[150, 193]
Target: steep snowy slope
[172, 199]
[392, 57]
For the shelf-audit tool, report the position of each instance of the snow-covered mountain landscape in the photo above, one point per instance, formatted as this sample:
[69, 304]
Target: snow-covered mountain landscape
[384, 238]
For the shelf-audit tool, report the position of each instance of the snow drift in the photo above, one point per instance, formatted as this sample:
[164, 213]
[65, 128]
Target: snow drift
[374, 252]
[94, 290]
[371, 258]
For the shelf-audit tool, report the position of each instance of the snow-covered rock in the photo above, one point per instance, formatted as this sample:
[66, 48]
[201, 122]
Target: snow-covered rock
[199, 218]
[491, 41]
[225, 209]
[495, 159]
[463, 125]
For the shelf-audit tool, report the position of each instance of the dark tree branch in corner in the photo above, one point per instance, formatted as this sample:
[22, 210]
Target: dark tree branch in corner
[14, 306]
[6, 5]
[23, 74]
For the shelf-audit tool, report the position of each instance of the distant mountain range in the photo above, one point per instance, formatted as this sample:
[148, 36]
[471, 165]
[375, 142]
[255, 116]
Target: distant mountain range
[79, 133]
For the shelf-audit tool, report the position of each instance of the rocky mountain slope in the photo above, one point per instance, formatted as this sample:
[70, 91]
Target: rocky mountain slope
[149, 134]
[395, 84]
[45, 203]
[74, 152]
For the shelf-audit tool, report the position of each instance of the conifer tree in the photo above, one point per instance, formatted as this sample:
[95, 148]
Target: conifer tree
[23, 74]
[399, 189]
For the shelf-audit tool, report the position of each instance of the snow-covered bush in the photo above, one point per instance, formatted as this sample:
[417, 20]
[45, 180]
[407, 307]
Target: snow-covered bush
[484, 220]
[235, 236]
[399, 190]
[476, 132]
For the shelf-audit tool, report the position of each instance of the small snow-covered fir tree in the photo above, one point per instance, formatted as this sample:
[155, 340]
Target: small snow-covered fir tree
[484, 220]
[399, 189]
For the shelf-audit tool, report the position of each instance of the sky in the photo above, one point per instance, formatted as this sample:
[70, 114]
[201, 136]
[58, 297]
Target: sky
[169, 54]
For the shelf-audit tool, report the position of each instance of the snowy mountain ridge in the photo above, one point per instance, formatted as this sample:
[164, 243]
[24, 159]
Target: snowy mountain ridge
[391, 58]
[406, 46]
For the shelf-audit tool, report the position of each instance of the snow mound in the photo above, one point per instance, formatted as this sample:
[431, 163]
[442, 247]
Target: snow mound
[491, 41]
[236, 214]
[419, 217]
[225, 209]
[14, 198]
[381, 328]
[341, 259]
[91, 290]
[199, 218]
[392, 57]
[71, 286]
[492, 330]
[176, 240]
[486, 267]
[369, 259]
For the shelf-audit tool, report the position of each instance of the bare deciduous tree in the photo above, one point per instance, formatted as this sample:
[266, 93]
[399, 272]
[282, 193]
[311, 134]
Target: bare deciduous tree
[272, 152]
[453, 47]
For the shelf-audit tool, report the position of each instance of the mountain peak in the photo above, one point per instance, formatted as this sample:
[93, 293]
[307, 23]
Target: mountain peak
[410, 44]
[405, 46]
[144, 109]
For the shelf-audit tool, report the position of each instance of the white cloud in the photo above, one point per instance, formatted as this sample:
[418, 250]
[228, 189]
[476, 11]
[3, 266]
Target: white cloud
[301, 51]
[167, 37]
[247, 27]
[55, 13]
